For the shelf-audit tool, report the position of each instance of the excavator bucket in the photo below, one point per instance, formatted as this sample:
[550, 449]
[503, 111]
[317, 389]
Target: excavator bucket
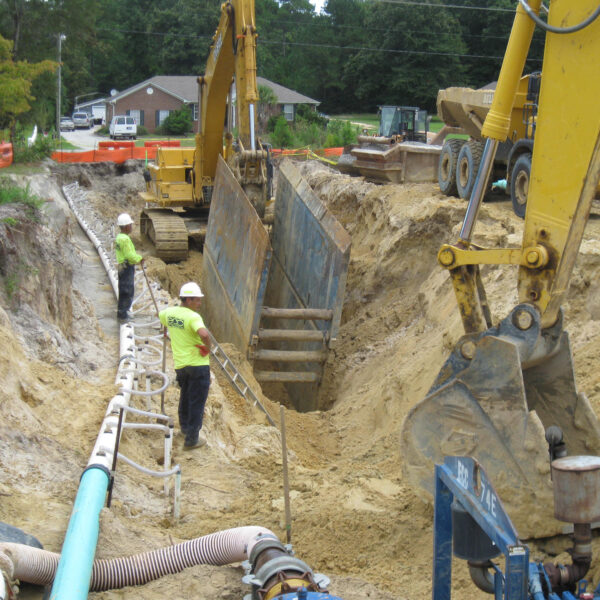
[493, 400]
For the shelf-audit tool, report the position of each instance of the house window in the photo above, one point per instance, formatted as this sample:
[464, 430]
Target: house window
[138, 115]
[161, 115]
[194, 111]
[288, 112]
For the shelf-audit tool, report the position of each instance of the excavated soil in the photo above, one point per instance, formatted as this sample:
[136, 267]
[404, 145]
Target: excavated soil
[355, 517]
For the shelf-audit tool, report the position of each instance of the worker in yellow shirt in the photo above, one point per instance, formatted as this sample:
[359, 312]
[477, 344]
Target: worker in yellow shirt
[190, 342]
[127, 258]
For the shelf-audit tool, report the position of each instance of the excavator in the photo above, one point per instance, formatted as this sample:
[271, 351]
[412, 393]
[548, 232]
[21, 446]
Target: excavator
[179, 183]
[508, 389]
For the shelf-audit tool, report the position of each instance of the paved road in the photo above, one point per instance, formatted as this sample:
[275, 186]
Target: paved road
[84, 139]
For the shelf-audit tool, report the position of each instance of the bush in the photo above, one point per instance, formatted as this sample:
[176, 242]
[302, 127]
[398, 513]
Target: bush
[179, 122]
[340, 133]
[282, 136]
[272, 122]
[310, 134]
[141, 130]
[23, 153]
[305, 112]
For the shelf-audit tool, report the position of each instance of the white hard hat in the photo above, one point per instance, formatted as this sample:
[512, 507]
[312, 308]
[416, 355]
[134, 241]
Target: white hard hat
[190, 290]
[124, 219]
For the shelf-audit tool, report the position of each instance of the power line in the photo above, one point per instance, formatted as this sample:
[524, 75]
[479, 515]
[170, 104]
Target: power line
[387, 50]
[327, 46]
[441, 5]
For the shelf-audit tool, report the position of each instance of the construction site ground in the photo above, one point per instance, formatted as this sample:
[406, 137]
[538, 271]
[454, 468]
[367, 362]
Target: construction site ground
[355, 517]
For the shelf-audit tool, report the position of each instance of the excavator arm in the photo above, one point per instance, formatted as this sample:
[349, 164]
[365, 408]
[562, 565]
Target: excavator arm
[505, 384]
[232, 55]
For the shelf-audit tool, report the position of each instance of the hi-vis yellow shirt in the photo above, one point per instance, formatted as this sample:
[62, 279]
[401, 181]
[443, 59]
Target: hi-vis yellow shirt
[125, 250]
[183, 324]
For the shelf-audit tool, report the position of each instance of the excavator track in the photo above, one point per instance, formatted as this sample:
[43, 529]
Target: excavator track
[167, 231]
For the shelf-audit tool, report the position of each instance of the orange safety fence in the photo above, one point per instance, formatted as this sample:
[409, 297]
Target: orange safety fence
[115, 144]
[167, 143]
[119, 155]
[6, 154]
[104, 155]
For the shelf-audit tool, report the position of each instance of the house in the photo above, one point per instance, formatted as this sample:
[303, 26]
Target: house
[151, 101]
[96, 109]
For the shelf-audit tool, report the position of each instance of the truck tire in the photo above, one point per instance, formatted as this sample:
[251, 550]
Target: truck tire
[467, 166]
[447, 166]
[519, 184]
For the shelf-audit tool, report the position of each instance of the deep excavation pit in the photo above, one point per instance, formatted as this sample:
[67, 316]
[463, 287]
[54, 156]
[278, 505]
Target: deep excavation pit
[354, 518]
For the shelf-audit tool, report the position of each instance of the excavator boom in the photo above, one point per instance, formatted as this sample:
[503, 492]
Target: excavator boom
[505, 384]
[183, 178]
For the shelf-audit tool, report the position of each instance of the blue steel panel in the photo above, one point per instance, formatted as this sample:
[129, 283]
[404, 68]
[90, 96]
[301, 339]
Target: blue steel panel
[442, 540]
[311, 247]
[237, 255]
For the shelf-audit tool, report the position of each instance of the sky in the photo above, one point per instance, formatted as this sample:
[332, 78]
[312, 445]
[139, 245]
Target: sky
[318, 4]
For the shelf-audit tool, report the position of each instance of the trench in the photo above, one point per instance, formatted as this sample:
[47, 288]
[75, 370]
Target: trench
[354, 516]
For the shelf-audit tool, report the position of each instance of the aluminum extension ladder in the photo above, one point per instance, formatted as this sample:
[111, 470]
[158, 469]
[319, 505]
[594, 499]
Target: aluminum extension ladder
[235, 377]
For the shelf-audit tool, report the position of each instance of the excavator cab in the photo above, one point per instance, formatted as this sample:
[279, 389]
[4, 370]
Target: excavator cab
[408, 122]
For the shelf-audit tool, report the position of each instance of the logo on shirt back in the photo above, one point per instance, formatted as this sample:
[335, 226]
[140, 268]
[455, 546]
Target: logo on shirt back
[175, 322]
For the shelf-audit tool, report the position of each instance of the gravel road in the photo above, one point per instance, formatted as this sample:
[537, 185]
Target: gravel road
[84, 139]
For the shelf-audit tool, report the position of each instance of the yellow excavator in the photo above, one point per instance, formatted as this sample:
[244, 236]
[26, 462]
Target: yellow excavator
[508, 389]
[179, 183]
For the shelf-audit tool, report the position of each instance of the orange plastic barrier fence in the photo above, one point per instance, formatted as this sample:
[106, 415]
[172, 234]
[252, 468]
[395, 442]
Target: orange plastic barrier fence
[105, 155]
[6, 155]
[152, 143]
[119, 155]
[116, 144]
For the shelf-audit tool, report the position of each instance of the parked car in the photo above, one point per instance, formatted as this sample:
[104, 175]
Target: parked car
[66, 124]
[82, 120]
[122, 126]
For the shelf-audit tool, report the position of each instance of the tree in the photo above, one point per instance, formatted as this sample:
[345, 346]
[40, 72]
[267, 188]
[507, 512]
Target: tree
[16, 78]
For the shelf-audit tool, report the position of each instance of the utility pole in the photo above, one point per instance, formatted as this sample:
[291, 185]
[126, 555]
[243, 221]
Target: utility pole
[61, 37]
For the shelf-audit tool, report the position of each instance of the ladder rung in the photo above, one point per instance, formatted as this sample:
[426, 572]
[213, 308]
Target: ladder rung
[286, 376]
[297, 313]
[303, 335]
[291, 355]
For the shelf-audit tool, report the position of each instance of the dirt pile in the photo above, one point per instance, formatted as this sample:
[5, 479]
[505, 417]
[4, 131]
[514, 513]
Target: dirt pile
[354, 516]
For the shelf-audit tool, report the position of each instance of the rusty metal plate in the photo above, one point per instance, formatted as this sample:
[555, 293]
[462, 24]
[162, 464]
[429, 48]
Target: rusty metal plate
[237, 255]
[311, 249]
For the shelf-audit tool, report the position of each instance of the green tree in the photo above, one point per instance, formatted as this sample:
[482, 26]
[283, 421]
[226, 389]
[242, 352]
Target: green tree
[282, 137]
[16, 79]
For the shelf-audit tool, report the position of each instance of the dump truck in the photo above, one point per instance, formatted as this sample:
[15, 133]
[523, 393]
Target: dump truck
[465, 109]
[508, 382]
[401, 151]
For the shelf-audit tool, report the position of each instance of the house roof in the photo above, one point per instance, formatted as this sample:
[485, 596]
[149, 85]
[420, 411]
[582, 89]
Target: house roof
[285, 95]
[96, 102]
[185, 88]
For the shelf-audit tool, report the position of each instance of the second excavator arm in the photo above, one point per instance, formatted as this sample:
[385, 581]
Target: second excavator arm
[506, 383]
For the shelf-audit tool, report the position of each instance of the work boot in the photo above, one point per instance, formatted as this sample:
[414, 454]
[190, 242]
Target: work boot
[200, 441]
[198, 444]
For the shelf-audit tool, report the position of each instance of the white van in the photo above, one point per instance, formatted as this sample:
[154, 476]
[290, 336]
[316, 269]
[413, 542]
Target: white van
[122, 127]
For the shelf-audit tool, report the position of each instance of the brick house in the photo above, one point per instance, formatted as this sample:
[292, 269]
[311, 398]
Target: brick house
[151, 101]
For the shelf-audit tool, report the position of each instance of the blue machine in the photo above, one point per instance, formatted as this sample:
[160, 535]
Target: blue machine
[470, 521]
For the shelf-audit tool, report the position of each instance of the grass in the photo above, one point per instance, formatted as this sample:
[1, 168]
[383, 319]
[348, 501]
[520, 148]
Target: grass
[13, 194]
[372, 119]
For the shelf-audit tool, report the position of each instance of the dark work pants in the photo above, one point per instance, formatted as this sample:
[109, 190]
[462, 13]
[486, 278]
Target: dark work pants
[194, 383]
[126, 290]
